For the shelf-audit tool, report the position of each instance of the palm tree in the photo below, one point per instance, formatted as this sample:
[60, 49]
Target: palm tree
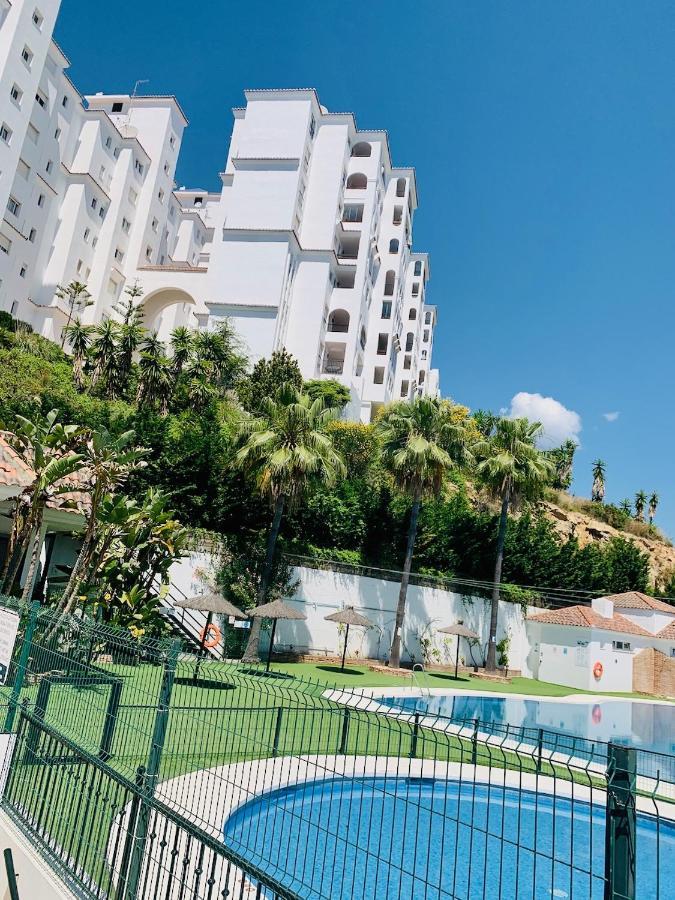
[513, 469]
[653, 503]
[598, 489]
[182, 347]
[288, 451]
[46, 447]
[79, 338]
[626, 506]
[154, 375]
[640, 503]
[419, 444]
[130, 333]
[103, 351]
[109, 461]
[78, 299]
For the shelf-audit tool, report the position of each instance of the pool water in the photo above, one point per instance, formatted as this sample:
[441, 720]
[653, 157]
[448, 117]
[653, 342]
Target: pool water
[648, 726]
[436, 839]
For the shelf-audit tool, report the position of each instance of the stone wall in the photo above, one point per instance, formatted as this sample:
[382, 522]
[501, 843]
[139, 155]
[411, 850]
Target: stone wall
[654, 673]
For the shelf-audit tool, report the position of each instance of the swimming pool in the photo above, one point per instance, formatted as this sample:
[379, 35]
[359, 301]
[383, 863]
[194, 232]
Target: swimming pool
[434, 839]
[648, 726]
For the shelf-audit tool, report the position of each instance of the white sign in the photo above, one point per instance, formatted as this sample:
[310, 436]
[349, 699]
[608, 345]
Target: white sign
[9, 625]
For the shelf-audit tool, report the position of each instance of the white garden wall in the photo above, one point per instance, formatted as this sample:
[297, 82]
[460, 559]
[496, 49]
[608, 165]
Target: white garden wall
[321, 592]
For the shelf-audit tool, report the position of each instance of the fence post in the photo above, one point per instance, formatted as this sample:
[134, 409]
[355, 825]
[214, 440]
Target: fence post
[140, 833]
[11, 874]
[474, 743]
[540, 747]
[344, 737]
[22, 665]
[620, 823]
[277, 731]
[130, 837]
[415, 732]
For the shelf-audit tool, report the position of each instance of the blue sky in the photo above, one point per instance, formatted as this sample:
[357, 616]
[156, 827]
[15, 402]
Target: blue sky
[543, 135]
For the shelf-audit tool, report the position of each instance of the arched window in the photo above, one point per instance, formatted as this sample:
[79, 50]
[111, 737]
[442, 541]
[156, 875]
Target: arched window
[389, 282]
[412, 314]
[420, 377]
[418, 267]
[400, 187]
[393, 245]
[427, 319]
[357, 182]
[361, 149]
[410, 337]
[338, 320]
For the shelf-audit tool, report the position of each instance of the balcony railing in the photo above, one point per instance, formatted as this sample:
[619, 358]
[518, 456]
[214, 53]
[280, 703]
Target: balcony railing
[333, 367]
[338, 326]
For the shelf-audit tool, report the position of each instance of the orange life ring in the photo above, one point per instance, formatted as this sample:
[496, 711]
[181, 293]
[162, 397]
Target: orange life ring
[597, 671]
[212, 641]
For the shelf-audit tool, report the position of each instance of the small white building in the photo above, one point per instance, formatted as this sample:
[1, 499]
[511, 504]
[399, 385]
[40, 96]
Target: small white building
[593, 648]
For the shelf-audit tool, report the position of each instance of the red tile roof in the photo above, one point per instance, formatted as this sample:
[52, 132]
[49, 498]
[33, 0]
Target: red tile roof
[585, 617]
[13, 470]
[668, 633]
[636, 600]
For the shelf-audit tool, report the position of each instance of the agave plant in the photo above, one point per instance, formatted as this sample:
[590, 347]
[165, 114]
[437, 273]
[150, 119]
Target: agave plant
[598, 489]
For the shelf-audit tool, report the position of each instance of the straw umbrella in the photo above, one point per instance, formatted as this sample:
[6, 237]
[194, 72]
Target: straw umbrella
[462, 632]
[275, 610]
[348, 616]
[211, 603]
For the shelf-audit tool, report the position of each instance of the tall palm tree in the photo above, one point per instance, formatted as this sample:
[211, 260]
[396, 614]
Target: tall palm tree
[598, 489]
[109, 460]
[640, 503]
[103, 351]
[47, 448]
[287, 450]
[653, 503]
[513, 469]
[154, 374]
[130, 333]
[79, 337]
[182, 347]
[626, 506]
[419, 444]
[78, 299]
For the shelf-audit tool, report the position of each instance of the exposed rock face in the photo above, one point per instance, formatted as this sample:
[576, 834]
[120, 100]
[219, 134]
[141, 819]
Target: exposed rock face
[569, 523]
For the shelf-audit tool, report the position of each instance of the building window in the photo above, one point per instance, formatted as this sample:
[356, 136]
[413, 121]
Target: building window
[166, 168]
[154, 224]
[424, 354]
[386, 309]
[40, 99]
[117, 107]
[353, 212]
[421, 376]
[427, 318]
[361, 149]
[133, 196]
[112, 286]
[407, 362]
[400, 187]
[172, 140]
[409, 340]
[418, 267]
[119, 254]
[79, 266]
[64, 102]
[382, 343]
[16, 94]
[138, 165]
[49, 166]
[126, 225]
[412, 315]
[108, 142]
[378, 375]
[160, 195]
[5, 133]
[23, 169]
[38, 19]
[33, 133]
[416, 289]
[116, 152]
[94, 202]
[312, 126]
[621, 645]
[41, 200]
[27, 56]
[393, 246]
[389, 282]
[94, 242]
[405, 388]
[32, 235]
[148, 253]
[87, 232]
[23, 270]
[57, 134]
[14, 206]
[426, 335]
[101, 212]
[5, 244]
[357, 182]
[398, 215]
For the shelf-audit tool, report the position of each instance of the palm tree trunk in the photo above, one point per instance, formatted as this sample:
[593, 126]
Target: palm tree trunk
[491, 661]
[251, 653]
[37, 538]
[395, 652]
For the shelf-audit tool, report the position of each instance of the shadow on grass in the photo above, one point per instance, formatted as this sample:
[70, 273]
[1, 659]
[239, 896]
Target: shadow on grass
[261, 673]
[461, 679]
[205, 683]
[336, 670]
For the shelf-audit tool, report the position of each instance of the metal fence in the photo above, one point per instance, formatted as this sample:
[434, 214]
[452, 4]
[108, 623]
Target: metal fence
[142, 771]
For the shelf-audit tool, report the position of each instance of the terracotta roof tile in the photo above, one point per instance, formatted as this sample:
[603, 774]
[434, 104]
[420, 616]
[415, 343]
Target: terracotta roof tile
[636, 600]
[585, 617]
[13, 470]
[668, 633]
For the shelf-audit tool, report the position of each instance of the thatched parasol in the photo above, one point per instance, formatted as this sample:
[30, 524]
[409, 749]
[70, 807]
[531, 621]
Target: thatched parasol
[348, 616]
[275, 610]
[461, 631]
[212, 603]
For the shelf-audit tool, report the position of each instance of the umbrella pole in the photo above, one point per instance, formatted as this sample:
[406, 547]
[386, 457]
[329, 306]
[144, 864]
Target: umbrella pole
[202, 647]
[344, 652]
[269, 652]
[457, 658]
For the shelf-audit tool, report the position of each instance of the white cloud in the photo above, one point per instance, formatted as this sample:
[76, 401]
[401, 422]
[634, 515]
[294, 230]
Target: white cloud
[559, 423]
[610, 416]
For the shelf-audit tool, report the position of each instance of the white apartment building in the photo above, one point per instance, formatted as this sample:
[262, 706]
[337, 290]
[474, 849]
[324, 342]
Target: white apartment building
[307, 246]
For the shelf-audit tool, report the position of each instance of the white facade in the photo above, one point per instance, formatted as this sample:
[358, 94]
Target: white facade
[307, 246]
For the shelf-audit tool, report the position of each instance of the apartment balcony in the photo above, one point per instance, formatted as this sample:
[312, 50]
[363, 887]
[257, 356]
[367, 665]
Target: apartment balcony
[333, 359]
[338, 321]
[333, 367]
